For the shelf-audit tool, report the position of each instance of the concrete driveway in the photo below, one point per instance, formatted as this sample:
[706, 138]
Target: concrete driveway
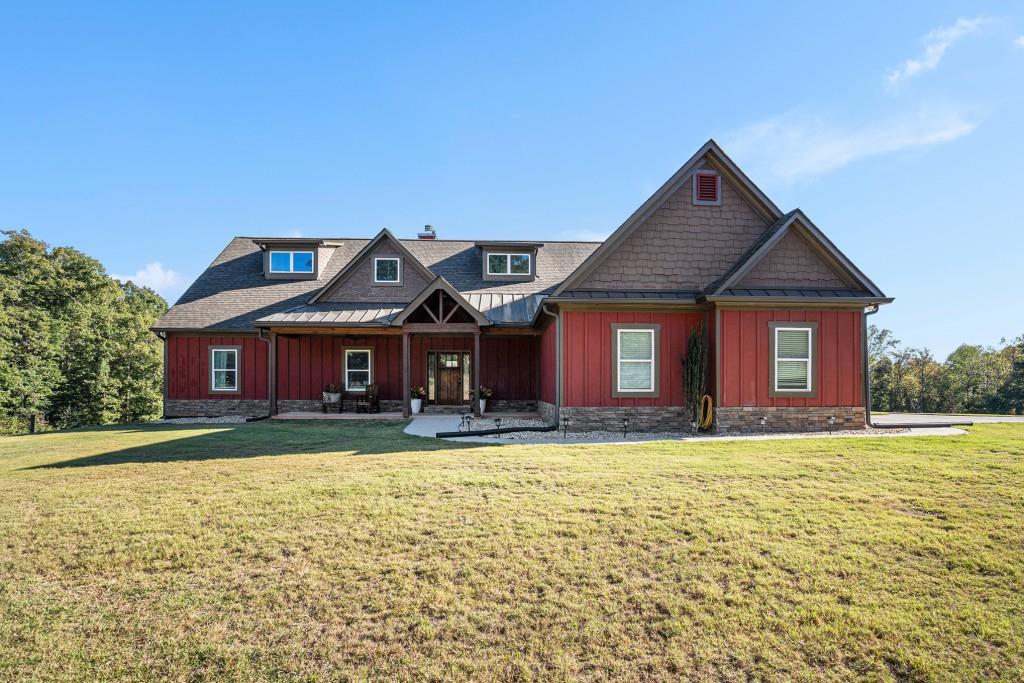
[928, 418]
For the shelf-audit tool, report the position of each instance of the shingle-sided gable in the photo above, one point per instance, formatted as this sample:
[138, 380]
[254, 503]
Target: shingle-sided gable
[681, 246]
[793, 262]
[358, 283]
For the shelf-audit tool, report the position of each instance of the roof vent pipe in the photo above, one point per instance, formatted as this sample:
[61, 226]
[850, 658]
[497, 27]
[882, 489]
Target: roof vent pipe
[428, 233]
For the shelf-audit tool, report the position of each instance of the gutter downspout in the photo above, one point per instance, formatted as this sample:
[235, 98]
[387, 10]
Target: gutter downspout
[870, 310]
[271, 373]
[162, 336]
[558, 360]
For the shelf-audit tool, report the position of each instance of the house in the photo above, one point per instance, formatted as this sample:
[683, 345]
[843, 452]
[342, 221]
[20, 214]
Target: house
[586, 332]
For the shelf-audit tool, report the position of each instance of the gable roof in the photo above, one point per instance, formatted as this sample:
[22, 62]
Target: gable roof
[439, 283]
[795, 219]
[342, 274]
[720, 161]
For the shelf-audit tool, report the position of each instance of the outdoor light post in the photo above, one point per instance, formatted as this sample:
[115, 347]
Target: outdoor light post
[831, 423]
[764, 422]
[497, 422]
[625, 426]
[565, 427]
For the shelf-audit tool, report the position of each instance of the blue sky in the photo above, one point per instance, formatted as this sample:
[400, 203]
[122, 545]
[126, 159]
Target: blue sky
[147, 137]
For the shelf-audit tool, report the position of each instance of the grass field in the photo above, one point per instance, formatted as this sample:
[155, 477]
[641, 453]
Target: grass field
[349, 551]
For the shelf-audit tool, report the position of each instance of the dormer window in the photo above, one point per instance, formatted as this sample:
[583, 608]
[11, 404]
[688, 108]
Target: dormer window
[291, 262]
[387, 270]
[707, 188]
[508, 264]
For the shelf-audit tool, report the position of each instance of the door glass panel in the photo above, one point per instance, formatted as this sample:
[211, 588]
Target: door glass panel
[431, 376]
[467, 384]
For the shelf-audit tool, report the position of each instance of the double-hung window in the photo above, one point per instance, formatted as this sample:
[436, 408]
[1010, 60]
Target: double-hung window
[358, 369]
[508, 264]
[291, 262]
[224, 363]
[635, 354]
[792, 360]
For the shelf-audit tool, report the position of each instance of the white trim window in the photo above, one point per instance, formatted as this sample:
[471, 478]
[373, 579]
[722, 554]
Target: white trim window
[635, 360]
[508, 264]
[224, 369]
[358, 369]
[387, 270]
[793, 357]
[291, 261]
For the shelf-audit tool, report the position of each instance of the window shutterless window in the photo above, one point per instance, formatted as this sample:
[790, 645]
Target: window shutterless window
[387, 270]
[792, 362]
[508, 264]
[291, 262]
[224, 364]
[358, 369]
[636, 360]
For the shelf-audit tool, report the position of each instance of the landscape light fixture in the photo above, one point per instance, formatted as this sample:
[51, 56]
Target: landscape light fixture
[625, 426]
[764, 422]
[565, 427]
[497, 422]
[831, 423]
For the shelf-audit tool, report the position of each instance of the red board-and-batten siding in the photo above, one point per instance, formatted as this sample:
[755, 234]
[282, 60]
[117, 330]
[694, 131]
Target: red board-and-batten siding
[746, 357]
[308, 363]
[548, 365]
[188, 367]
[587, 346]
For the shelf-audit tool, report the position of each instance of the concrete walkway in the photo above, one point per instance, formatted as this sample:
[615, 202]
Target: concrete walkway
[429, 425]
[923, 418]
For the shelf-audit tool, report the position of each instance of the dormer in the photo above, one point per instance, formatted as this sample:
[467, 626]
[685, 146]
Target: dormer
[291, 258]
[508, 261]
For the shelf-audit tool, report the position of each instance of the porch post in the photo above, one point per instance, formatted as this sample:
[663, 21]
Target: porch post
[272, 373]
[406, 374]
[476, 372]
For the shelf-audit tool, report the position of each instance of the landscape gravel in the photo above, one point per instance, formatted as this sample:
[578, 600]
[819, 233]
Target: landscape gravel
[608, 436]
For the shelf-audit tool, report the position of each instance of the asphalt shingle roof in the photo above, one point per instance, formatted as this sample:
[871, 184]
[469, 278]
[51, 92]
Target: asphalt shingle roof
[232, 293]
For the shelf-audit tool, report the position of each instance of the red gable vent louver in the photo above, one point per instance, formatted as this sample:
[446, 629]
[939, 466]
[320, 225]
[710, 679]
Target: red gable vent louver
[707, 187]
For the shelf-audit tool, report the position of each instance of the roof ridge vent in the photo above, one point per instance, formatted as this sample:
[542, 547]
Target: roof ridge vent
[428, 233]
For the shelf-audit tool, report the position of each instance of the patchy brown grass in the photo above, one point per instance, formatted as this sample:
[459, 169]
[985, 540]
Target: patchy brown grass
[343, 550]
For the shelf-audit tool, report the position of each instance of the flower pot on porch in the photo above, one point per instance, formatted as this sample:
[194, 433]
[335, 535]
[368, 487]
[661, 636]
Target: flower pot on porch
[417, 405]
[483, 406]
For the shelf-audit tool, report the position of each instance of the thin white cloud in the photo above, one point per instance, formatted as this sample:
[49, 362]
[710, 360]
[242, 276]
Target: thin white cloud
[1019, 42]
[795, 146]
[936, 42]
[154, 276]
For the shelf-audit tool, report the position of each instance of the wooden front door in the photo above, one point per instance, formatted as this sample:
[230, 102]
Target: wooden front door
[449, 379]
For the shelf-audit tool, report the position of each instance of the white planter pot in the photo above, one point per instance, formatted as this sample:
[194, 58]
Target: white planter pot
[332, 398]
[483, 406]
[417, 405]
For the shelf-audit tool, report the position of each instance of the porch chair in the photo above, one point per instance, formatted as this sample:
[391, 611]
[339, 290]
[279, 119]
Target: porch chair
[368, 402]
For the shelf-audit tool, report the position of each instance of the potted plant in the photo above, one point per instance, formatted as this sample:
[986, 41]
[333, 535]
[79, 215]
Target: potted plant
[332, 393]
[417, 394]
[484, 394]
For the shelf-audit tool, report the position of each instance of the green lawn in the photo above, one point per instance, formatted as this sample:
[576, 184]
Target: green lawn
[348, 550]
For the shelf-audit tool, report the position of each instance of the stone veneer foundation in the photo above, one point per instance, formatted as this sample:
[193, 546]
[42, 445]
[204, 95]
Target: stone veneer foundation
[748, 419]
[311, 406]
[216, 407]
[548, 412]
[642, 419]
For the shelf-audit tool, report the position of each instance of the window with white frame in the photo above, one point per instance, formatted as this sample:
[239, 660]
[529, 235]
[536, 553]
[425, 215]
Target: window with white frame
[793, 359]
[291, 262]
[387, 270]
[508, 264]
[635, 360]
[358, 369]
[224, 369]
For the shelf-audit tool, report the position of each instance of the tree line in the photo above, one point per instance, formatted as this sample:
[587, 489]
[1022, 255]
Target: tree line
[75, 344]
[973, 379]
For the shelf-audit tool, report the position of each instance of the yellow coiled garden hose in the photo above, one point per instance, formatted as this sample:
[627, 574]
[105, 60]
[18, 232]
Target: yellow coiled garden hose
[707, 412]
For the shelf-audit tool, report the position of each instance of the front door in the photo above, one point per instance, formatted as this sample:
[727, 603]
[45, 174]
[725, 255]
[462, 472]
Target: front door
[449, 378]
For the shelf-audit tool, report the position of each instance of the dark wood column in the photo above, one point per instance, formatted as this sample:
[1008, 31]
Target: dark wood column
[476, 372]
[406, 373]
[272, 373]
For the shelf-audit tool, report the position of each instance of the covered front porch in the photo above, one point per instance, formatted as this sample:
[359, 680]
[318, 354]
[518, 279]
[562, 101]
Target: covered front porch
[438, 344]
